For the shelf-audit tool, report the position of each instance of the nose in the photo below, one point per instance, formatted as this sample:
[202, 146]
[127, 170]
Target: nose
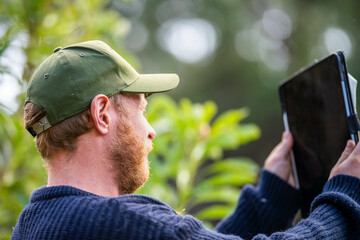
[151, 132]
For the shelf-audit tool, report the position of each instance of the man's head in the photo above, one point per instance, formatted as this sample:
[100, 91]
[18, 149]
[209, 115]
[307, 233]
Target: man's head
[66, 82]
[64, 89]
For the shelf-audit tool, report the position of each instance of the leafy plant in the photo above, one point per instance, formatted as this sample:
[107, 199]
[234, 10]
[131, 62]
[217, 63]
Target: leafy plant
[21, 170]
[188, 170]
[42, 25]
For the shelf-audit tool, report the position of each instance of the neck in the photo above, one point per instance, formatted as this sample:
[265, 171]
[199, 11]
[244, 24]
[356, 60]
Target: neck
[86, 168]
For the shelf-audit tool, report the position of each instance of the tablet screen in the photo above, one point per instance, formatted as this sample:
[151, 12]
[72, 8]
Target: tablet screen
[314, 103]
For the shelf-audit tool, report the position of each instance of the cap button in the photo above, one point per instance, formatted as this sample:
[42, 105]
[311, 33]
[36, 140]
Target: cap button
[57, 49]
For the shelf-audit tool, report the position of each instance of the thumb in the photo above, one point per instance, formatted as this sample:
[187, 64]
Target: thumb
[283, 148]
[278, 161]
[350, 145]
[286, 143]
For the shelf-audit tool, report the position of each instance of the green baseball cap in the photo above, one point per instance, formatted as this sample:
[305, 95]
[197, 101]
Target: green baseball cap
[67, 81]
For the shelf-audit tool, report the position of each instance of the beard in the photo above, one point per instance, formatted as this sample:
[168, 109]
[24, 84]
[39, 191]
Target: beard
[129, 158]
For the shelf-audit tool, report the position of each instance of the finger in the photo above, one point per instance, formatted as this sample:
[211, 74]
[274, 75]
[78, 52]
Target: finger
[356, 150]
[281, 150]
[285, 144]
[350, 145]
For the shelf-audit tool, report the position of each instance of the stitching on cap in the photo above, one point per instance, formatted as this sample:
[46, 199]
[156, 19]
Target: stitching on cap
[64, 60]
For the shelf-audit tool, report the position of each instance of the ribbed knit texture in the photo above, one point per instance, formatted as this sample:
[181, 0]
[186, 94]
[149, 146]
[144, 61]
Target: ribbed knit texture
[64, 212]
[268, 208]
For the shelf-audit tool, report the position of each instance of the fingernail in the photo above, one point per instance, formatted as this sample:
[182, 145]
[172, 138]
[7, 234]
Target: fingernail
[286, 135]
[349, 144]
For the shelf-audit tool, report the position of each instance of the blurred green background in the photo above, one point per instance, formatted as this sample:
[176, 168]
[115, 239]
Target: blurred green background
[234, 53]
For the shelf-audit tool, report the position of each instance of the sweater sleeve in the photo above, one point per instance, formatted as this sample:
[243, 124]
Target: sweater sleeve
[335, 214]
[268, 208]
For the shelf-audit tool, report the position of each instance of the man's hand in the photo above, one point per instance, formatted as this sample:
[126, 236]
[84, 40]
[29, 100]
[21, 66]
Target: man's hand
[349, 161]
[279, 162]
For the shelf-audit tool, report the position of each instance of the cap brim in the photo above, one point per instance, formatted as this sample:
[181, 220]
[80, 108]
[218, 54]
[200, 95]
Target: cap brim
[153, 83]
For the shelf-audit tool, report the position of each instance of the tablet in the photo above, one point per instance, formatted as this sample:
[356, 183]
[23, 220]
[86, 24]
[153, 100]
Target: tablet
[319, 111]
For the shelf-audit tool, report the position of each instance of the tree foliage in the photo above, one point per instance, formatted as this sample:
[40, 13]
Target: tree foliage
[21, 170]
[44, 25]
[189, 171]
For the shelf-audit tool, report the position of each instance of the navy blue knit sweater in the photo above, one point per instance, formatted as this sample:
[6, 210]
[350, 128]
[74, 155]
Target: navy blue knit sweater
[64, 212]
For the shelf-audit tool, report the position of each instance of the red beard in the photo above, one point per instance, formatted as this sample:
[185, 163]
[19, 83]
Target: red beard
[129, 158]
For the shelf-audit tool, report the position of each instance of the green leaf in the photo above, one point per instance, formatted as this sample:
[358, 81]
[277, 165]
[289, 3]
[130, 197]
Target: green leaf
[228, 119]
[240, 166]
[228, 179]
[210, 195]
[210, 109]
[216, 212]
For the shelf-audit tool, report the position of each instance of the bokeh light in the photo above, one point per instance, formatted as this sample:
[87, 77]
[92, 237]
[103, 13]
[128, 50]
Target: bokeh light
[13, 59]
[337, 39]
[265, 40]
[189, 40]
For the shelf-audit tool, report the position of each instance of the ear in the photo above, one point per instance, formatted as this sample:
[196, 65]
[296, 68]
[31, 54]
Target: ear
[100, 113]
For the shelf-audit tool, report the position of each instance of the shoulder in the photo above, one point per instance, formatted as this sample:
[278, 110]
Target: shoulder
[71, 200]
[71, 213]
[130, 204]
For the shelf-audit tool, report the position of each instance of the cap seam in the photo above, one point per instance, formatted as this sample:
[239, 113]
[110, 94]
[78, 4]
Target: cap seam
[88, 64]
[114, 65]
[85, 47]
[65, 59]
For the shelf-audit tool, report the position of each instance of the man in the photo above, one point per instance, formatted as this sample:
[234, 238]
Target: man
[86, 106]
